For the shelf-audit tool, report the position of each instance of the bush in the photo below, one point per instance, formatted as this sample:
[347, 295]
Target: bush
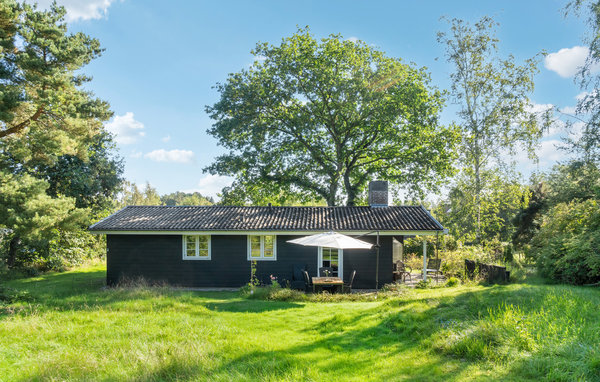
[452, 281]
[10, 296]
[567, 247]
[422, 284]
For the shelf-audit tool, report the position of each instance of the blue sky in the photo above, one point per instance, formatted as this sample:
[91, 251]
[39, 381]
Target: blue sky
[163, 57]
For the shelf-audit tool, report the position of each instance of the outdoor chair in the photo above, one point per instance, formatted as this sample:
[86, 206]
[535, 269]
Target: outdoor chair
[347, 288]
[433, 267]
[298, 281]
[307, 281]
[402, 271]
[323, 270]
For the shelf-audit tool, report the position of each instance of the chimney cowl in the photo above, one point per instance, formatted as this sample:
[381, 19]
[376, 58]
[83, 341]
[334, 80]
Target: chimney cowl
[378, 193]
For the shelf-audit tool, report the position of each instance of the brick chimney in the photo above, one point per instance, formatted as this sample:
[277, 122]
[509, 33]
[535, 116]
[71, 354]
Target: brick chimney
[378, 193]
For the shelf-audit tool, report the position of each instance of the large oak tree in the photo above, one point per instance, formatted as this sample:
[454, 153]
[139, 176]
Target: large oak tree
[317, 119]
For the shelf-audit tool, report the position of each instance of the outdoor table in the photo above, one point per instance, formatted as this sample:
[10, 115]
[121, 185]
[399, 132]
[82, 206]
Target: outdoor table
[320, 282]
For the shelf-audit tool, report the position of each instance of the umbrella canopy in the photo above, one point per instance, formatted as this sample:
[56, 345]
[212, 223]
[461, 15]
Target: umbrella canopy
[331, 240]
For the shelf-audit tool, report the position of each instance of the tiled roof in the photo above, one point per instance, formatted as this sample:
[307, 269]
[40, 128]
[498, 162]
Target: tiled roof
[229, 218]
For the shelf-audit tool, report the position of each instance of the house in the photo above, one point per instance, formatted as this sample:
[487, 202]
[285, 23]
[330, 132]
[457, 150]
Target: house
[213, 246]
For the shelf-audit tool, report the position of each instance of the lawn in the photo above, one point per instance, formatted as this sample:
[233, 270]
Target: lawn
[72, 329]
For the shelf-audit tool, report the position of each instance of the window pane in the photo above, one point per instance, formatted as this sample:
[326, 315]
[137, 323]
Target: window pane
[203, 253]
[190, 242]
[203, 242]
[190, 252]
[269, 240]
[268, 252]
[255, 242]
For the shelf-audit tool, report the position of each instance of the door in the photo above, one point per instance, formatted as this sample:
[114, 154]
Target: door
[332, 257]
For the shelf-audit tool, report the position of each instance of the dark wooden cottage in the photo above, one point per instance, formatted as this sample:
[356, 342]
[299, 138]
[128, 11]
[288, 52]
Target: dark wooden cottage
[213, 246]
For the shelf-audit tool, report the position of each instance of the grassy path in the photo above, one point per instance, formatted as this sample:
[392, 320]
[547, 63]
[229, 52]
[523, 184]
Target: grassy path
[74, 330]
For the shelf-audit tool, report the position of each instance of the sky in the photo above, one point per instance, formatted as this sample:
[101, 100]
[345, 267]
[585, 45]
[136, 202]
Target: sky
[162, 59]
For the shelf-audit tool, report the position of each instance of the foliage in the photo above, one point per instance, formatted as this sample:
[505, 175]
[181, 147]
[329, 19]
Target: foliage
[186, 199]
[11, 295]
[93, 181]
[527, 221]
[45, 100]
[567, 247]
[587, 145]
[319, 119]
[452, 282]
[132, 195]
[496, 206]
[496, 115]
[31, 214]
[464, 333]
[424, 284]
[56, 169]
[573, 180]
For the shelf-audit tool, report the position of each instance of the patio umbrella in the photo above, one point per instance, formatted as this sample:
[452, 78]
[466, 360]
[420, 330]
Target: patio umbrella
[332, 240]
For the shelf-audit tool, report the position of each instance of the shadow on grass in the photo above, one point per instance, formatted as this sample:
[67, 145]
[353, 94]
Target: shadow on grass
[250, 306]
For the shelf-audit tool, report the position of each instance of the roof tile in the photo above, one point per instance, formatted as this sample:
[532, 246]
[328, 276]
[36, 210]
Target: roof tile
[231, 218]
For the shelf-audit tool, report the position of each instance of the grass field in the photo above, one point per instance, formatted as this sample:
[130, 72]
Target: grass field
[71, 329]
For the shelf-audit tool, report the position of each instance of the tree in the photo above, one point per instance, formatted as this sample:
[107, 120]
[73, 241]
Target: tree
[528, 220]
[40, 78]
[186, 199]
[31, 214]
[93, 181]
[495, 111]
[318, 119]
[502, 199]
[588, 145]
[52, 142]
[133, 196]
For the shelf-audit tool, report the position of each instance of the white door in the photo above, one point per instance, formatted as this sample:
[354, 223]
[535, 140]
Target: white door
[331, 257]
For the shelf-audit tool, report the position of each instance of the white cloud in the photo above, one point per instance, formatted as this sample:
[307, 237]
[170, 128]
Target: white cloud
[568, 61]
[568, 110]
[166, 139]
[211, 185]
[539, 108]
[548, 152]
[352, 39]
[576, 130]
[176, 156]
[80, 9]
[126, 129]
[135, 154]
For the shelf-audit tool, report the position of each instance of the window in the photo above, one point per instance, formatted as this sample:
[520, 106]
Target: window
[262, 247]
[331, 258]
[196, 247]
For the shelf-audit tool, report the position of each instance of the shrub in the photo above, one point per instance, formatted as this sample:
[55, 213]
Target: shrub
[567, 247]
[10, 295]
[422, 284]
[452, 281]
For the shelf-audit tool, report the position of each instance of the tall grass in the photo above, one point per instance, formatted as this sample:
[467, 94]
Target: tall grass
[69, 328]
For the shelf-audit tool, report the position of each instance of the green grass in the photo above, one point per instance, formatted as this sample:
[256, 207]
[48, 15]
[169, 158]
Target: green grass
[68, 328]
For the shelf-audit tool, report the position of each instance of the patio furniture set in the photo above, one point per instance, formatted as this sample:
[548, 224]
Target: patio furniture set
[330, 283]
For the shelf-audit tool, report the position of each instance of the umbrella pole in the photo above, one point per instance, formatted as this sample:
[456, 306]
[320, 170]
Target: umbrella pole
[377, 264]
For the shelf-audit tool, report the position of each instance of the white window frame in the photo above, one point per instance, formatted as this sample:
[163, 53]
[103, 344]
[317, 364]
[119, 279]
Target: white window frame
[340, 262]
[262, 248]
[197, 257]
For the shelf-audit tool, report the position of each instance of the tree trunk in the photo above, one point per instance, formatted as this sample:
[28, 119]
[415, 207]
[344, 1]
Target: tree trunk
[478, 202]
[12, 251]
[350, 191]
[333, 187]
